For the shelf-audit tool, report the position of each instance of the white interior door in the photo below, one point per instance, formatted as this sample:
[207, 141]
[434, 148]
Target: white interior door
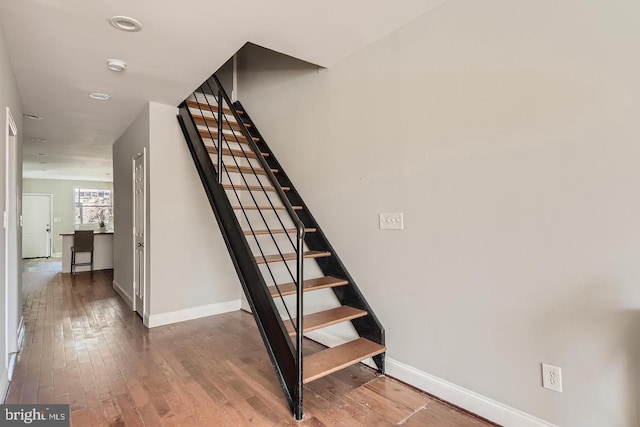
[36, 230]
[139, 226]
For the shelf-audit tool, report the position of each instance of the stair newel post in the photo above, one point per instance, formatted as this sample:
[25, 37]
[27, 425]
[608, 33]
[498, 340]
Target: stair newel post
[299, 319]
[219, 137]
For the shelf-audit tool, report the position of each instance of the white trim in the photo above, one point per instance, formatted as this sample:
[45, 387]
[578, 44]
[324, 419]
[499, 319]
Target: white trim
[56, 255]
[120, 291]
[462, 397]
[143, 286]
[13, 357]
[4, 384]
[145, 320]
[234, 79]
[11, 240]
[21, 331]
[12, 364]
[452, 393]
[11, 123]
[191, 313]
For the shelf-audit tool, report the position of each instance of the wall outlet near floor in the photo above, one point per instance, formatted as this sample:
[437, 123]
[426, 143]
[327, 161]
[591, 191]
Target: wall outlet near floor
[552, 377]
[391, 221]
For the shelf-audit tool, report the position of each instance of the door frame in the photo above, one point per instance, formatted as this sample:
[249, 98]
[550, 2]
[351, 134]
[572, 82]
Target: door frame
[134, 212]
[12, 222]
[50, 237]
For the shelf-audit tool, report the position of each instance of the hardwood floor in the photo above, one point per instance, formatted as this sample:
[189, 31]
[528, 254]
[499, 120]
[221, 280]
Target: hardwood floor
[85, 348]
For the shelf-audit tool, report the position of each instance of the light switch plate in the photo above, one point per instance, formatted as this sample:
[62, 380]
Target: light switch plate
[391, 221]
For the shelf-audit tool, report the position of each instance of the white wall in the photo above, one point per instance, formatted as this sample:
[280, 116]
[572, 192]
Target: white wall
[9, 97]
[63, 203]
[131, 143]
[507, 132]
[192, 270]
[190, 273]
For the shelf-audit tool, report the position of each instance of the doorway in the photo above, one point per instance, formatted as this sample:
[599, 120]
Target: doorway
[139, 232]
[36, 231]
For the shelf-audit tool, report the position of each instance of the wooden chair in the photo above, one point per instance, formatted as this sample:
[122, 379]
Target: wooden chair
[82, 242]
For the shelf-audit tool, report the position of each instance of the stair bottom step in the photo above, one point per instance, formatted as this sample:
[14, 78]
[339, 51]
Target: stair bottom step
[333, 359]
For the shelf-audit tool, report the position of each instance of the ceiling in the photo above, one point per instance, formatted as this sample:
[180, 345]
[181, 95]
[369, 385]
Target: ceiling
[58, 50]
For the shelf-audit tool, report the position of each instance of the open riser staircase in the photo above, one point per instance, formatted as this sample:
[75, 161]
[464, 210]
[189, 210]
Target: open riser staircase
[275, 244]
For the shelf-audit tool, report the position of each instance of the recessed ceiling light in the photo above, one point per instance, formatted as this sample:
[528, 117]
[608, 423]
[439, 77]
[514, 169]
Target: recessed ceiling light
[99, 96]
[33, 116]
[125, 23]
[37, 139]
[116, 65]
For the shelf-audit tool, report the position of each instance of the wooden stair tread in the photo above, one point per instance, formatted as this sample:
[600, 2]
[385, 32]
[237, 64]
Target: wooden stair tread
[206, 107]
[234, 152]
[278, 231]
[290, 256]
[213, 123]
[229, 137]
[333, 359]
[265, 208]
[308, 285]
[247, 169]
[242, 187]
[325, 318]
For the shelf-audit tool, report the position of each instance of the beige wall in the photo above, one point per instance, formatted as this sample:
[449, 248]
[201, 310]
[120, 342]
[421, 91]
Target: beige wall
[190, 273]
[507, 132]
[9, 97]
[131, 143]
[63, 203]
[191, 264]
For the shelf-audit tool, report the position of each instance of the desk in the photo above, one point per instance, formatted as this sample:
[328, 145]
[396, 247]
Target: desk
[102, 252]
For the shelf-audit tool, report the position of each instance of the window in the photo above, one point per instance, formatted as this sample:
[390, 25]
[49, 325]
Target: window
[93, 205]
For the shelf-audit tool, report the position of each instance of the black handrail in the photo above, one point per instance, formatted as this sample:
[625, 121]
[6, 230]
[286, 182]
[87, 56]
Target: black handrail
[300, 235]
[299, 242]
[368, 326]
[226, 140]
[287, 360]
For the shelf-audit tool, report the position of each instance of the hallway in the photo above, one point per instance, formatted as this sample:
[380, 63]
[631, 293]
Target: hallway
[85, 348]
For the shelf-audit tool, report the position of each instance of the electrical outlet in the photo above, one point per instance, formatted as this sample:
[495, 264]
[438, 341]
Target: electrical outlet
[391, 221]
[552, 377]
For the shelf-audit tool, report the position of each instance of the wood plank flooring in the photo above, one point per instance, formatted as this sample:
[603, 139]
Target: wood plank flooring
[85, 348]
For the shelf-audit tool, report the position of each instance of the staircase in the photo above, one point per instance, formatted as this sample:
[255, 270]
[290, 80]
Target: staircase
[279, 251]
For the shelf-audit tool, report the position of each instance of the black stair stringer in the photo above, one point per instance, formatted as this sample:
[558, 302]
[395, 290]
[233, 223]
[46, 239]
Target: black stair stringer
[368, 326]
[270, 325]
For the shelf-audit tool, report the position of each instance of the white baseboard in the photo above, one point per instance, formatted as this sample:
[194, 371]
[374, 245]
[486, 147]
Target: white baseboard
[462, 397]
[161, 319]
[12, 364]
[7, 373]
[21, 330]
[445, 390]
[4, 384]
[120, 291]
[56, 255]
